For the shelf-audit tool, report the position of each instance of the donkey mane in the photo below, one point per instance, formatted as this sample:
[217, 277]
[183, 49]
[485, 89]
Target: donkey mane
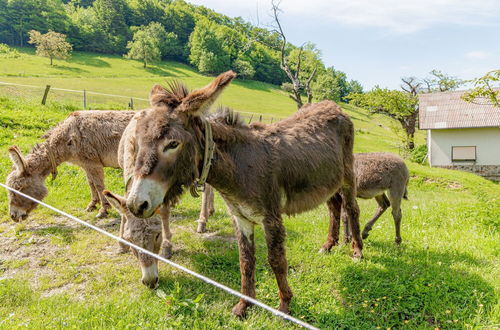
[176, 89]
[227, 116]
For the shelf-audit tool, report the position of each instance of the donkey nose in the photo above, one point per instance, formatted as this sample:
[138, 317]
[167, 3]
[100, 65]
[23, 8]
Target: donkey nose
[143, 207]
[152, 284]
[138, 207]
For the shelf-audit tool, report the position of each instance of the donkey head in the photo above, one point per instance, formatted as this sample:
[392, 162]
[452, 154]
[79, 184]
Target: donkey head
[32, 184]
[168, 144]
[144, 233]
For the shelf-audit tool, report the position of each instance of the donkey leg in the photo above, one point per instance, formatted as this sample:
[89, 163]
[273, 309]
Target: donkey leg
[211, 198]
[93, 192]
[97, 173]
[350, 205]
[246, 246]
[347, 228]
[205, 210]
[334, 205]
[166, 245]
[383, 204]
[275, 238]
[123, 248]
[396, 214]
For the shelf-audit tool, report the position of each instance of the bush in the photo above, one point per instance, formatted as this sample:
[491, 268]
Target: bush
[419, 154]
[287, 87]
[244, 69]
[6, 51]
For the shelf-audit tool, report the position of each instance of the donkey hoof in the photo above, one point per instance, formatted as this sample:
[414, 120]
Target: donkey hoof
[202, 227]
[364, 235]
[91, 207]
[102, 214]
[166, 252]
[398, 241]
[122, 250]
[211, 212]
[239, 310]
[326, 248]
[357, 256]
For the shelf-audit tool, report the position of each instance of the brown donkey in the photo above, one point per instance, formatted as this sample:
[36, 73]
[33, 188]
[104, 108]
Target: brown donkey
[88, 139]
[376, 173]
[261, 171]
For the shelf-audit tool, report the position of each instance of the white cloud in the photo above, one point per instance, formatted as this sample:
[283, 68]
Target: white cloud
[477, 55]
[397, 16]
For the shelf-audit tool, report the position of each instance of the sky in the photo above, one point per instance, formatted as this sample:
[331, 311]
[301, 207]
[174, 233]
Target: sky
[379, 41]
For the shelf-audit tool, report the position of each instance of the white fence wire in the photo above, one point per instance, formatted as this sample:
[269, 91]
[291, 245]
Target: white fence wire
[169, 262]
[98, 100]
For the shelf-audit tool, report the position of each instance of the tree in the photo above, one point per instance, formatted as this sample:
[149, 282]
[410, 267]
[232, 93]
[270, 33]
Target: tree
[486, 89]
[441, 82]
[393, 103]
[50, 44]
[244, 69]
[146, 44]
[293, 74]
[207, 52]
[332, 85]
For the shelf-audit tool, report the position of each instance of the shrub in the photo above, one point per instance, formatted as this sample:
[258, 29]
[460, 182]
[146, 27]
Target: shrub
[419, 154]
[6, 51]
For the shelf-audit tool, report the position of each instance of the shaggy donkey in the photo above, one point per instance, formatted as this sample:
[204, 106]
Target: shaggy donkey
[88, 139]
[145, 233]
[261, 171]
[376, 173]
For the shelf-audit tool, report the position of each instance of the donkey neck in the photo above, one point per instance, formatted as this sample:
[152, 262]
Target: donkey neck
[239, 156]
[45, 157]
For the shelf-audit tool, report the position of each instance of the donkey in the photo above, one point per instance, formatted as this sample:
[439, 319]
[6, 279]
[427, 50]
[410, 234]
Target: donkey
[88, 139]
[376, 173]
[261, 171]
[207, 208]
[145, 233]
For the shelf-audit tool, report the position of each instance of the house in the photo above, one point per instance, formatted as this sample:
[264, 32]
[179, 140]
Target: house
[461, 135]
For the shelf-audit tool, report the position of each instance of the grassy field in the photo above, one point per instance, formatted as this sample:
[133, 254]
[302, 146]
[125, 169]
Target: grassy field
[55, 274]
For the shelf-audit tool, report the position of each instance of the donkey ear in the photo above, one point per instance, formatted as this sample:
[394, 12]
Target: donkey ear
[17, 158]
[118, 202]
[199, 101]
[159, 95]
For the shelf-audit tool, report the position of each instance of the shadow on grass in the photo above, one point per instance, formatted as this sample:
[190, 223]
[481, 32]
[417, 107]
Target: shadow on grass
[69, 68]
[252, 84]
[410, 287]
[88, 60]
[164, 70]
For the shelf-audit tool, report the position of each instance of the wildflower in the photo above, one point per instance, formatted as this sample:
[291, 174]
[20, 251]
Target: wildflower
[480, 305]
[365, 305]
[448, 311]
[407, 321]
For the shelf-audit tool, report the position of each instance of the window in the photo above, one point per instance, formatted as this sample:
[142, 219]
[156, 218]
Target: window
[463, 153]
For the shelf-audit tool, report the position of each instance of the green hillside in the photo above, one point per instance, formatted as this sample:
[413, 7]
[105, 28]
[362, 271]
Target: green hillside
[56, 274]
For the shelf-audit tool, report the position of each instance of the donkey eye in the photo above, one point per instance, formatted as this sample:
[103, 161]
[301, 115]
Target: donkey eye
[171, 145]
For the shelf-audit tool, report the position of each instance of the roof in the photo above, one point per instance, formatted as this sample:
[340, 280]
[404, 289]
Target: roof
[448, 110]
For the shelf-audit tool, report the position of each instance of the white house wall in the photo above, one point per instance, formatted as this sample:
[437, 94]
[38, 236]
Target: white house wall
[486, 140]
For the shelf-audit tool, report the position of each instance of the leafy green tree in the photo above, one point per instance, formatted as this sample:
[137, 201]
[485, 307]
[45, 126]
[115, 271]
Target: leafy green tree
[486, 89]
[207, 53]
[146, 44]
[51, 44]
[112, 21]
[244, 69]
[355, 87]
[393, 103]
[332, 85]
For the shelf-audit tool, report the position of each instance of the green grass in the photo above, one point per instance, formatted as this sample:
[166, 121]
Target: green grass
[56, 274]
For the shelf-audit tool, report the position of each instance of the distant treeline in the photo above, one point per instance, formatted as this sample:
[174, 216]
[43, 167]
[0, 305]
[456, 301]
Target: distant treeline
[210, 41]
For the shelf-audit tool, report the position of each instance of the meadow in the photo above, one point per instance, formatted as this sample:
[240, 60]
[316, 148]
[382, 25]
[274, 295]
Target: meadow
[54, 273]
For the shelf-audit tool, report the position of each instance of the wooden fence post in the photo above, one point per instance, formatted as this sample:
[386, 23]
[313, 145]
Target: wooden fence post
[131, 104]
[44, 99]
[260, 118]
[84, 99]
